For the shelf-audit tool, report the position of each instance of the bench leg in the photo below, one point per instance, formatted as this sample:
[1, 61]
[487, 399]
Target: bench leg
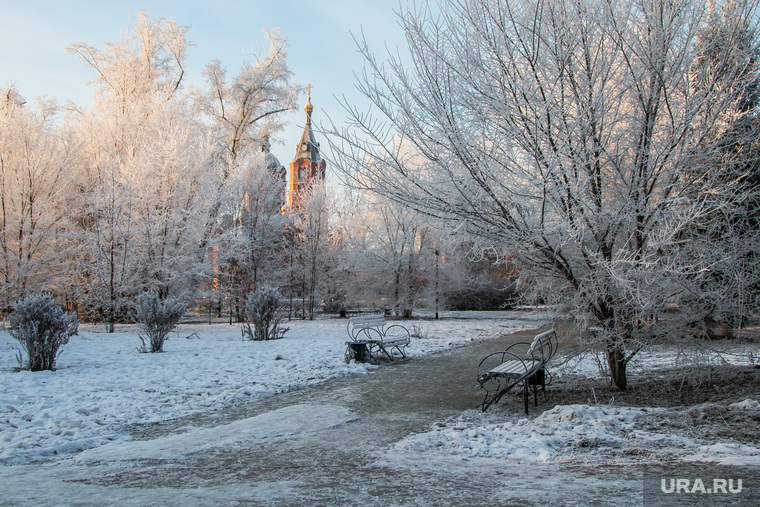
[535, 380]
[385, 351]
[372, 353]
[486, 402]
[389, 351]
[495, 397]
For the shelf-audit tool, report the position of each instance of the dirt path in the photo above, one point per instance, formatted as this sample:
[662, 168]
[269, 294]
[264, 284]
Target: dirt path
[333, 455]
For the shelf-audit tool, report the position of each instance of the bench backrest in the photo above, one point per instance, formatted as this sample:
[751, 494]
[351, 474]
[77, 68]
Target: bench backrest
[544, 345]
[363, 321]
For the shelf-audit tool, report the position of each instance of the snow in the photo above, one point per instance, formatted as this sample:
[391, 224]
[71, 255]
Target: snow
[549, 437]
[570, 433]
[103, 384]
[745, 405]
[77, 420]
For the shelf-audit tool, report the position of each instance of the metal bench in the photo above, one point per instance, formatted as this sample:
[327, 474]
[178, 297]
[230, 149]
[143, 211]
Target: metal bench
[371, 336]
[499, 372]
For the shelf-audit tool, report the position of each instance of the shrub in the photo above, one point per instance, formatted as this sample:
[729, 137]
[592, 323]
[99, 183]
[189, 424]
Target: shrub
[156, 319]
[263, 309]
[42, 328]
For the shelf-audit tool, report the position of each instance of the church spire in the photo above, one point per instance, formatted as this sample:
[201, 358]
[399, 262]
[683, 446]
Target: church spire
[308, 165]
[308, 147]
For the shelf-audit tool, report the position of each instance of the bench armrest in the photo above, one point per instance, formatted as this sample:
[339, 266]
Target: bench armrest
[546, 349]
[367, 333]
[396, 331]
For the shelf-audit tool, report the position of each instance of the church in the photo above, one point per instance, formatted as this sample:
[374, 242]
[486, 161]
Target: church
[307, 165]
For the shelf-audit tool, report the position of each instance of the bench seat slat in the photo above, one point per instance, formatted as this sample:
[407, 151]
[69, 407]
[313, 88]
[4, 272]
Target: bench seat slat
[514, 367]
[394, 341]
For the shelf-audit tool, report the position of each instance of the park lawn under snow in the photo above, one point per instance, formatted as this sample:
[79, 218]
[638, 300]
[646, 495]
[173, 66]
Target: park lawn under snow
[572, 434]
[103, 383]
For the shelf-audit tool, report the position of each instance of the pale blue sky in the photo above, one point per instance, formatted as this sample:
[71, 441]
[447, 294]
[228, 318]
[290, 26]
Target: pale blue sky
[35, 33]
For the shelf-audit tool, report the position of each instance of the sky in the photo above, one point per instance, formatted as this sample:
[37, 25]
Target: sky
[34, 35]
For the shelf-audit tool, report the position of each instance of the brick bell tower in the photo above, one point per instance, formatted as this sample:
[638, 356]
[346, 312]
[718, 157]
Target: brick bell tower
[308, 165]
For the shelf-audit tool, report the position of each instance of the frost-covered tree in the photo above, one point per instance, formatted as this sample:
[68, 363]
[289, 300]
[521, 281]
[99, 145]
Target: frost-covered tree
[726, 62]
[36, 174]
[570, 132]
[144, 161]
[243, 111]
[481, 280]
[399, 258]
[250, 242]
[388, 249]
[312, 249]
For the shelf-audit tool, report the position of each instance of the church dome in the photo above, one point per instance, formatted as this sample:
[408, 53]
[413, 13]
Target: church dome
[272, 163]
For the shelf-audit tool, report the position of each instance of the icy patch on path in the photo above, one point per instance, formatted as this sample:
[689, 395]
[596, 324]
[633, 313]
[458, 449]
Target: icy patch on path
[303, 420]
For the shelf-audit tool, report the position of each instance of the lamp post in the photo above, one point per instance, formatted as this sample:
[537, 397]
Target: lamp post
[437, 253]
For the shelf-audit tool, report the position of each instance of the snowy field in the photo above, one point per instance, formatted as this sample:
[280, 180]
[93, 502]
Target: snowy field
[76, 421]
[103, 384]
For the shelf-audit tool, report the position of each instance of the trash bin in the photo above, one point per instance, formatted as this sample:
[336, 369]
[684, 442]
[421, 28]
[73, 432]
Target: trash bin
[359, 351]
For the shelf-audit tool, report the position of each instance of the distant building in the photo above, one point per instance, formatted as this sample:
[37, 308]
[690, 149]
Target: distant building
[277, 172]
[273, 165]
[308, 165]
[276, 169]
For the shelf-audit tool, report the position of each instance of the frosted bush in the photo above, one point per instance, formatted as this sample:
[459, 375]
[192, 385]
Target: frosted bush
[156, 319]
[263, 309]
[42, 328]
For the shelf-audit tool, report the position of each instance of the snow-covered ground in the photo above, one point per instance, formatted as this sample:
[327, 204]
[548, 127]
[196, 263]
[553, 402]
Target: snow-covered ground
[579, 434]
[103, 384]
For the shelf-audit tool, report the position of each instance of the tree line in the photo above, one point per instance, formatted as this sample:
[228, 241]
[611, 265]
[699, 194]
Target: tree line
[167, 188]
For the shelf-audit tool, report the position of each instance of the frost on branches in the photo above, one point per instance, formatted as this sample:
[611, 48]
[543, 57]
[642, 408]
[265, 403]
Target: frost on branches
[156, 319]
[126, 195]
[611, 145]
[264, 309]
[42, 328]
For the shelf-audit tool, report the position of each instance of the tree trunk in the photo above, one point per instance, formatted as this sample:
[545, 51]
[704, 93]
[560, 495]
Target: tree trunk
[111, 291]
[617, 363]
